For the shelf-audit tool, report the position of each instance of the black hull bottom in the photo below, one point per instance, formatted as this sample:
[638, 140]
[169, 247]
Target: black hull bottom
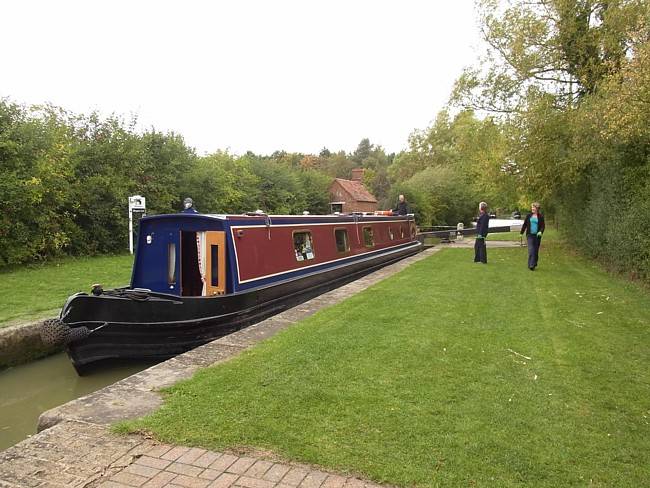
[127, 334]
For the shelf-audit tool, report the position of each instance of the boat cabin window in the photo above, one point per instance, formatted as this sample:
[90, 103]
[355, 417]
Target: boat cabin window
[303, 246]
[341, 237]
[368, 237]
[391, 236]
[413, 230]
[401, 231]
[171, 263]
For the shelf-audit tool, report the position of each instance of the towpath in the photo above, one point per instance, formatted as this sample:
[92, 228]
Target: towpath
[75, 448]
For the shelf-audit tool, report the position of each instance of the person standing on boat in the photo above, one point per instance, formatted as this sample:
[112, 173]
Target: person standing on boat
[188, 206]
[480, 250]
[534, 227]
[402, 207]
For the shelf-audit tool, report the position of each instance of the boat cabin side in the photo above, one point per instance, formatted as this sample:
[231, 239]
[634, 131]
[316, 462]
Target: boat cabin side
[206, 255]
[288, 247]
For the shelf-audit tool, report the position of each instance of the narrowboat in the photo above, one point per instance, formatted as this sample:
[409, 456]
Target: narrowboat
[197, 277]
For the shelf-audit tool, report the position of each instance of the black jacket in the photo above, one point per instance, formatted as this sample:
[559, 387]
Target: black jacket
[482, 225]
[541, 226]
[402, 208]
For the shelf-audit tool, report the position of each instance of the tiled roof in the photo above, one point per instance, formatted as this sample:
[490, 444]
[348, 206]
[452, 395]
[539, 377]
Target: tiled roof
[356, 190]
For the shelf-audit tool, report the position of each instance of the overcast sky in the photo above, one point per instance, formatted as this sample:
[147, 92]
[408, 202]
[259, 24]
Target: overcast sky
[246, 74]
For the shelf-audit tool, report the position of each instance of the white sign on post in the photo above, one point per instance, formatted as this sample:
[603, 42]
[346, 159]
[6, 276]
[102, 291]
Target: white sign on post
[137, 206]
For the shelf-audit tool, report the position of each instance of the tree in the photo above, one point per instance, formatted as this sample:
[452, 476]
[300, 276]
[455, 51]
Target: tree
[362, 152]
[35, 178]
[221, 183]
[476, 151]
[562, 48]
[567, 81]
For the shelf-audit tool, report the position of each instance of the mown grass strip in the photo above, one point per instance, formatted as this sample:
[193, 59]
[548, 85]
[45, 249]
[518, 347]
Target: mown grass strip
[35, 291]
[424, 380]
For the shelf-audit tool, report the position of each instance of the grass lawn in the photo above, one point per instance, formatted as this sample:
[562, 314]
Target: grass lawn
[37, 291]
[506, 236]
[449, 373]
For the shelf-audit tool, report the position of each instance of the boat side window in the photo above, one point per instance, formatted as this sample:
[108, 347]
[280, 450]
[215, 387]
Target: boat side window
[413, 230]
[341, 237]
[368, 237]
[171, 263]
[391, 236]
[401, 231]
[303, 246]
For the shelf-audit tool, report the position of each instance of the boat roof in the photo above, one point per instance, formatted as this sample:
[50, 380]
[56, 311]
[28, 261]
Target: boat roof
[263, 216]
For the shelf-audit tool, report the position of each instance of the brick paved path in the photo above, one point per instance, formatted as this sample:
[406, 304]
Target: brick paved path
[83, 455]
[173, 466]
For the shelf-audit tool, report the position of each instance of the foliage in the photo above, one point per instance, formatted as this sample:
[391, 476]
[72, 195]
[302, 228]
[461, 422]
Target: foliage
[438, 195]
[221, 183]
[453, 165]
[35, 174]
[563, 48]
[568, 82]
[65, 179]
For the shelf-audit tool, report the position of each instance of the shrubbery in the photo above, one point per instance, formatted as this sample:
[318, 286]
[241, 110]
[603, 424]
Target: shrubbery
[65, 180]
[569, 85]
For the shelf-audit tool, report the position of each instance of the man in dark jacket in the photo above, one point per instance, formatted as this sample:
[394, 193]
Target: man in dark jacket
[534, 227]
[480, 251]
[402, 207]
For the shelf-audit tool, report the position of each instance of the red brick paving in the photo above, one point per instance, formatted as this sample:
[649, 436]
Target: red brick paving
[164, 466]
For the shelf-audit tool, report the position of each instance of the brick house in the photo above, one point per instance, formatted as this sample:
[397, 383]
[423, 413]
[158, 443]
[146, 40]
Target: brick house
[348, 196]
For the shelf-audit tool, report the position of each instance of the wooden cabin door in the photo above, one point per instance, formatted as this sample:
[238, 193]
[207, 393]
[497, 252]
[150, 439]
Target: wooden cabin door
[215, 273]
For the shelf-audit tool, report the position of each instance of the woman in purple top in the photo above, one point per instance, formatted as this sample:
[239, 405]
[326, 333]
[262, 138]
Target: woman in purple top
[534, 227]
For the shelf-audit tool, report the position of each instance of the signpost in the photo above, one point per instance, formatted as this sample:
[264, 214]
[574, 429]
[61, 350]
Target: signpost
[136, 206]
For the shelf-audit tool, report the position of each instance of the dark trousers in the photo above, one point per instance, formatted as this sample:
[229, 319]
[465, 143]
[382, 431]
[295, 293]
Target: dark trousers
[533, 249]
[480, 251]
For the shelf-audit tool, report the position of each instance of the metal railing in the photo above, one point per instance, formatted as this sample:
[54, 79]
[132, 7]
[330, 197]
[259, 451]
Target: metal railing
[453, 233]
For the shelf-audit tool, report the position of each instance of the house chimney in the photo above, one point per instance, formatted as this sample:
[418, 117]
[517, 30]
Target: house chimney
[357, 174]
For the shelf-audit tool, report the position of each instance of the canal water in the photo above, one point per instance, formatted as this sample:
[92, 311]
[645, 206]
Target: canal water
[28, 390]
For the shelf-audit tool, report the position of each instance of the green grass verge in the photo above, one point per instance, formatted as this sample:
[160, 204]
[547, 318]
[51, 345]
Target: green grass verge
[37, 291]
[449, 373]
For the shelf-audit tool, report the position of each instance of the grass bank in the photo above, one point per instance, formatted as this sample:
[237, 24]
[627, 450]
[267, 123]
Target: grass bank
[449, 373]
[36, 291]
